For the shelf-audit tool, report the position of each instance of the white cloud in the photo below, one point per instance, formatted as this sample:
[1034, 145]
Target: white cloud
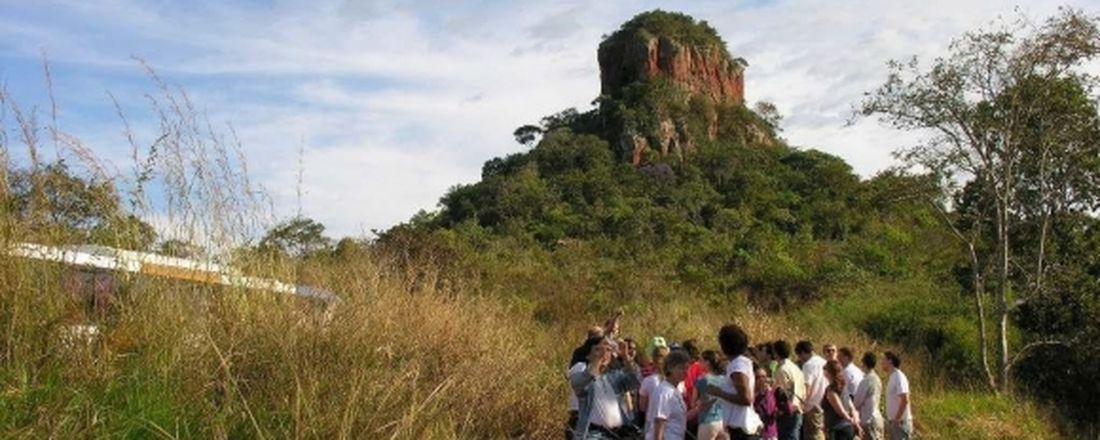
[395, 101]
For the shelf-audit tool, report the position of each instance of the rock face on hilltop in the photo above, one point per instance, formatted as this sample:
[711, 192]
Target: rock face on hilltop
[701, 70]
[665, 80]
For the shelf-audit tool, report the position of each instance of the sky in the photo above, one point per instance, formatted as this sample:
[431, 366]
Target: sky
[379, 107]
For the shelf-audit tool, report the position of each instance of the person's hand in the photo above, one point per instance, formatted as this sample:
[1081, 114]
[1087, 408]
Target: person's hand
[705, 406]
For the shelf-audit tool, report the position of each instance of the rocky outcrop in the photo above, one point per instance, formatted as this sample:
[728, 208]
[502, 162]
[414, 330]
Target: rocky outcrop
[701, 70]
[673, 62]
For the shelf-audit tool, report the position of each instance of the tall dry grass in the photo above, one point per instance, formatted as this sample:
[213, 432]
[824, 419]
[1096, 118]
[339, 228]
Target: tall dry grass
[396, 358]
[181, 360]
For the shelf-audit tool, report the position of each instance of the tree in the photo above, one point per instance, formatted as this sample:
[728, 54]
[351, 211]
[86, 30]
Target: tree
[54, 203]
[527, 134]
[180, 249]
[1007, 113]
[297, 237]
[770, 114]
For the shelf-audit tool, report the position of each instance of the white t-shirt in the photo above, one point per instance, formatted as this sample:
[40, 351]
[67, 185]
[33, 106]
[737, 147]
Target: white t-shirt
[576, 368]
[605, 409]
[897, 385]
[734, 415]
[854, 376]
[667, 402]
[814, 371]
[649, 385]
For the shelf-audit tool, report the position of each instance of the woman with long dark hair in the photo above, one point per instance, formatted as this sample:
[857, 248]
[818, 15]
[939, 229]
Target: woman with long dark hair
[840, 419]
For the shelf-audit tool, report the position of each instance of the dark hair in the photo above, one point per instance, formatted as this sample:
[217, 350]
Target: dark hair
[675, 359]
[782, 349]
[804, 347]
[846, 352]
[837, 381]
[710, 357]
[869, 359]
[894, 359]
[733, 340]
[582, 352]
[692, 349]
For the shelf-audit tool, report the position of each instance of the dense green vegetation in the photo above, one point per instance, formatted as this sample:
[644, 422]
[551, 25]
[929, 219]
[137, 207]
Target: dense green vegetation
[674, 25]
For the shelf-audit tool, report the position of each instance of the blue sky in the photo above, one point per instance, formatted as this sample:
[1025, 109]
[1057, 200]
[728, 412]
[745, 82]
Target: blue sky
[391, 103]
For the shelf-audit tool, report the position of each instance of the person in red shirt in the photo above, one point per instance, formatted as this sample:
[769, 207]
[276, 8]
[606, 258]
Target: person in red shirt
[696, 369]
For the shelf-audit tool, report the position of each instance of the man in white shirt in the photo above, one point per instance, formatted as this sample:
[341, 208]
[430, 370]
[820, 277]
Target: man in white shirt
[866, 399]
[852, 373]
[813, 368]
[899, 412]
[790, 378]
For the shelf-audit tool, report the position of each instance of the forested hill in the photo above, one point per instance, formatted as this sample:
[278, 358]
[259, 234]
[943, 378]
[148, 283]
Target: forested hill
[671, 184]
[673, 198]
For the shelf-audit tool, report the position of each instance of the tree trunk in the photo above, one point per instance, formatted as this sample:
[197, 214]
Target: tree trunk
[983, 337]
[1002, 298]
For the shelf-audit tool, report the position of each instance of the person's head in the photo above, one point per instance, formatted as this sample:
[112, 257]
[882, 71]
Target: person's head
[833, 374]
[891, 361]
[804, 350]
[629, 349]
[781, 349]
[869, 360]
[676, 365]
[658, 357]
[595, 332]
[582, 353]
[599, 351]
[691, 347]
[844, 355]
[763, 381]
[622, 349]
[830, 352]
[654, 343]
[713, 361]
[733, 340]
[765, 352]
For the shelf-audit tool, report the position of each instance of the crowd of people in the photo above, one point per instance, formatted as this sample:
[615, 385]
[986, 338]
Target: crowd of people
[673, 391]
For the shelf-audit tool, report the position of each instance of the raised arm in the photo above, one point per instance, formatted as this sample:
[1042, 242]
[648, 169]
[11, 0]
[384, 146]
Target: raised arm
[580, 379]
[626, 379]
[611, 326]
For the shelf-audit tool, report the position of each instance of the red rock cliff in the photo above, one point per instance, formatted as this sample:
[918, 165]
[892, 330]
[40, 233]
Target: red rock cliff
[701, 70]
